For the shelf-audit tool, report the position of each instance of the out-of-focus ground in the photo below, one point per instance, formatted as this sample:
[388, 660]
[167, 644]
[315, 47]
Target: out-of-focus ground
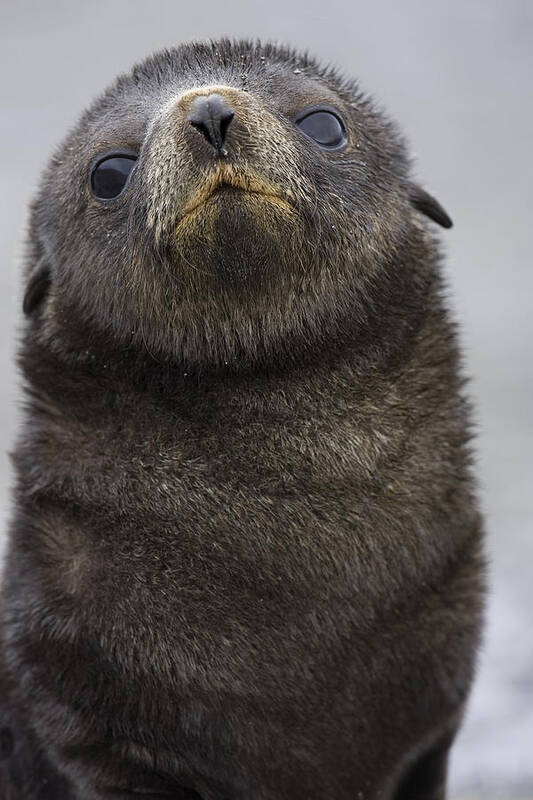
[457, 76]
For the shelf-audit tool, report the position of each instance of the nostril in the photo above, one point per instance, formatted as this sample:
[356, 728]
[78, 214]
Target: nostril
[225, 121]
[211, 116]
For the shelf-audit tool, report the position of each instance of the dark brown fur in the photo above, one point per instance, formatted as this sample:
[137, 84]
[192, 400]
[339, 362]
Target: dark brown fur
[245, 557]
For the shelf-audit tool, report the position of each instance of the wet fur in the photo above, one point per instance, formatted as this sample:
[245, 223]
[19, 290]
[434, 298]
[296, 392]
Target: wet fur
[245, 558]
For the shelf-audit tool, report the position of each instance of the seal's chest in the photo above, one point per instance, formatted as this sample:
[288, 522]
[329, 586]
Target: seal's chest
[200, 521]
[144, 461]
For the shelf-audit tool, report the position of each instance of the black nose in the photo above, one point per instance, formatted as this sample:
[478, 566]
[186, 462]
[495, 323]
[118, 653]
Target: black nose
[212, 116]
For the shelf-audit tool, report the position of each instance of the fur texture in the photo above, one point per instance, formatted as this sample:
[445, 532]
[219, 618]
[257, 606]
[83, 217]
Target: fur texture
[244, 560]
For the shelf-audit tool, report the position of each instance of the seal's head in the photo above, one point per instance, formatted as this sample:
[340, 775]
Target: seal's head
[223, 201]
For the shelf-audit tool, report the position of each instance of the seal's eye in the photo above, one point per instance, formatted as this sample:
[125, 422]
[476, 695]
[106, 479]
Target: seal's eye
[323, 126]
[110, 175]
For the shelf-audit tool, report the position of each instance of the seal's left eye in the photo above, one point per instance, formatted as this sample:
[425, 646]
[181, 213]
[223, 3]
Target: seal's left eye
[109, 176]
[326, 128]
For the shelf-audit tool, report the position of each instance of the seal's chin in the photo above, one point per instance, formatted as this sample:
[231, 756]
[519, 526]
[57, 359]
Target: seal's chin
[227, 198]
[230, 190]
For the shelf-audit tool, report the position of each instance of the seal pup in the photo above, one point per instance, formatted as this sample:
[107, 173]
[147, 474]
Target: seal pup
[244, 560]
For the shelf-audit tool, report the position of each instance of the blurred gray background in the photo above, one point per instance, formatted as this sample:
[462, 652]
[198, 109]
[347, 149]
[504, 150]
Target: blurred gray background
[458, 78]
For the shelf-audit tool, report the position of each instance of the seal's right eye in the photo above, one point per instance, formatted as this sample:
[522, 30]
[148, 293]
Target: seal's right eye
[110, 175]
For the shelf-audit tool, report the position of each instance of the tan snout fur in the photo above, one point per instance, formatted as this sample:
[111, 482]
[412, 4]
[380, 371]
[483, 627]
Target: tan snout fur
[260, 161]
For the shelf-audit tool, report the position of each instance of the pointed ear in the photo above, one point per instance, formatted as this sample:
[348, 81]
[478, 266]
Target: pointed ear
[37, 288]
[427, 204]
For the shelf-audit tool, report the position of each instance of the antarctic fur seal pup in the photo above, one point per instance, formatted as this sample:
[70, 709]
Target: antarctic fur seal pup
[245, 560]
